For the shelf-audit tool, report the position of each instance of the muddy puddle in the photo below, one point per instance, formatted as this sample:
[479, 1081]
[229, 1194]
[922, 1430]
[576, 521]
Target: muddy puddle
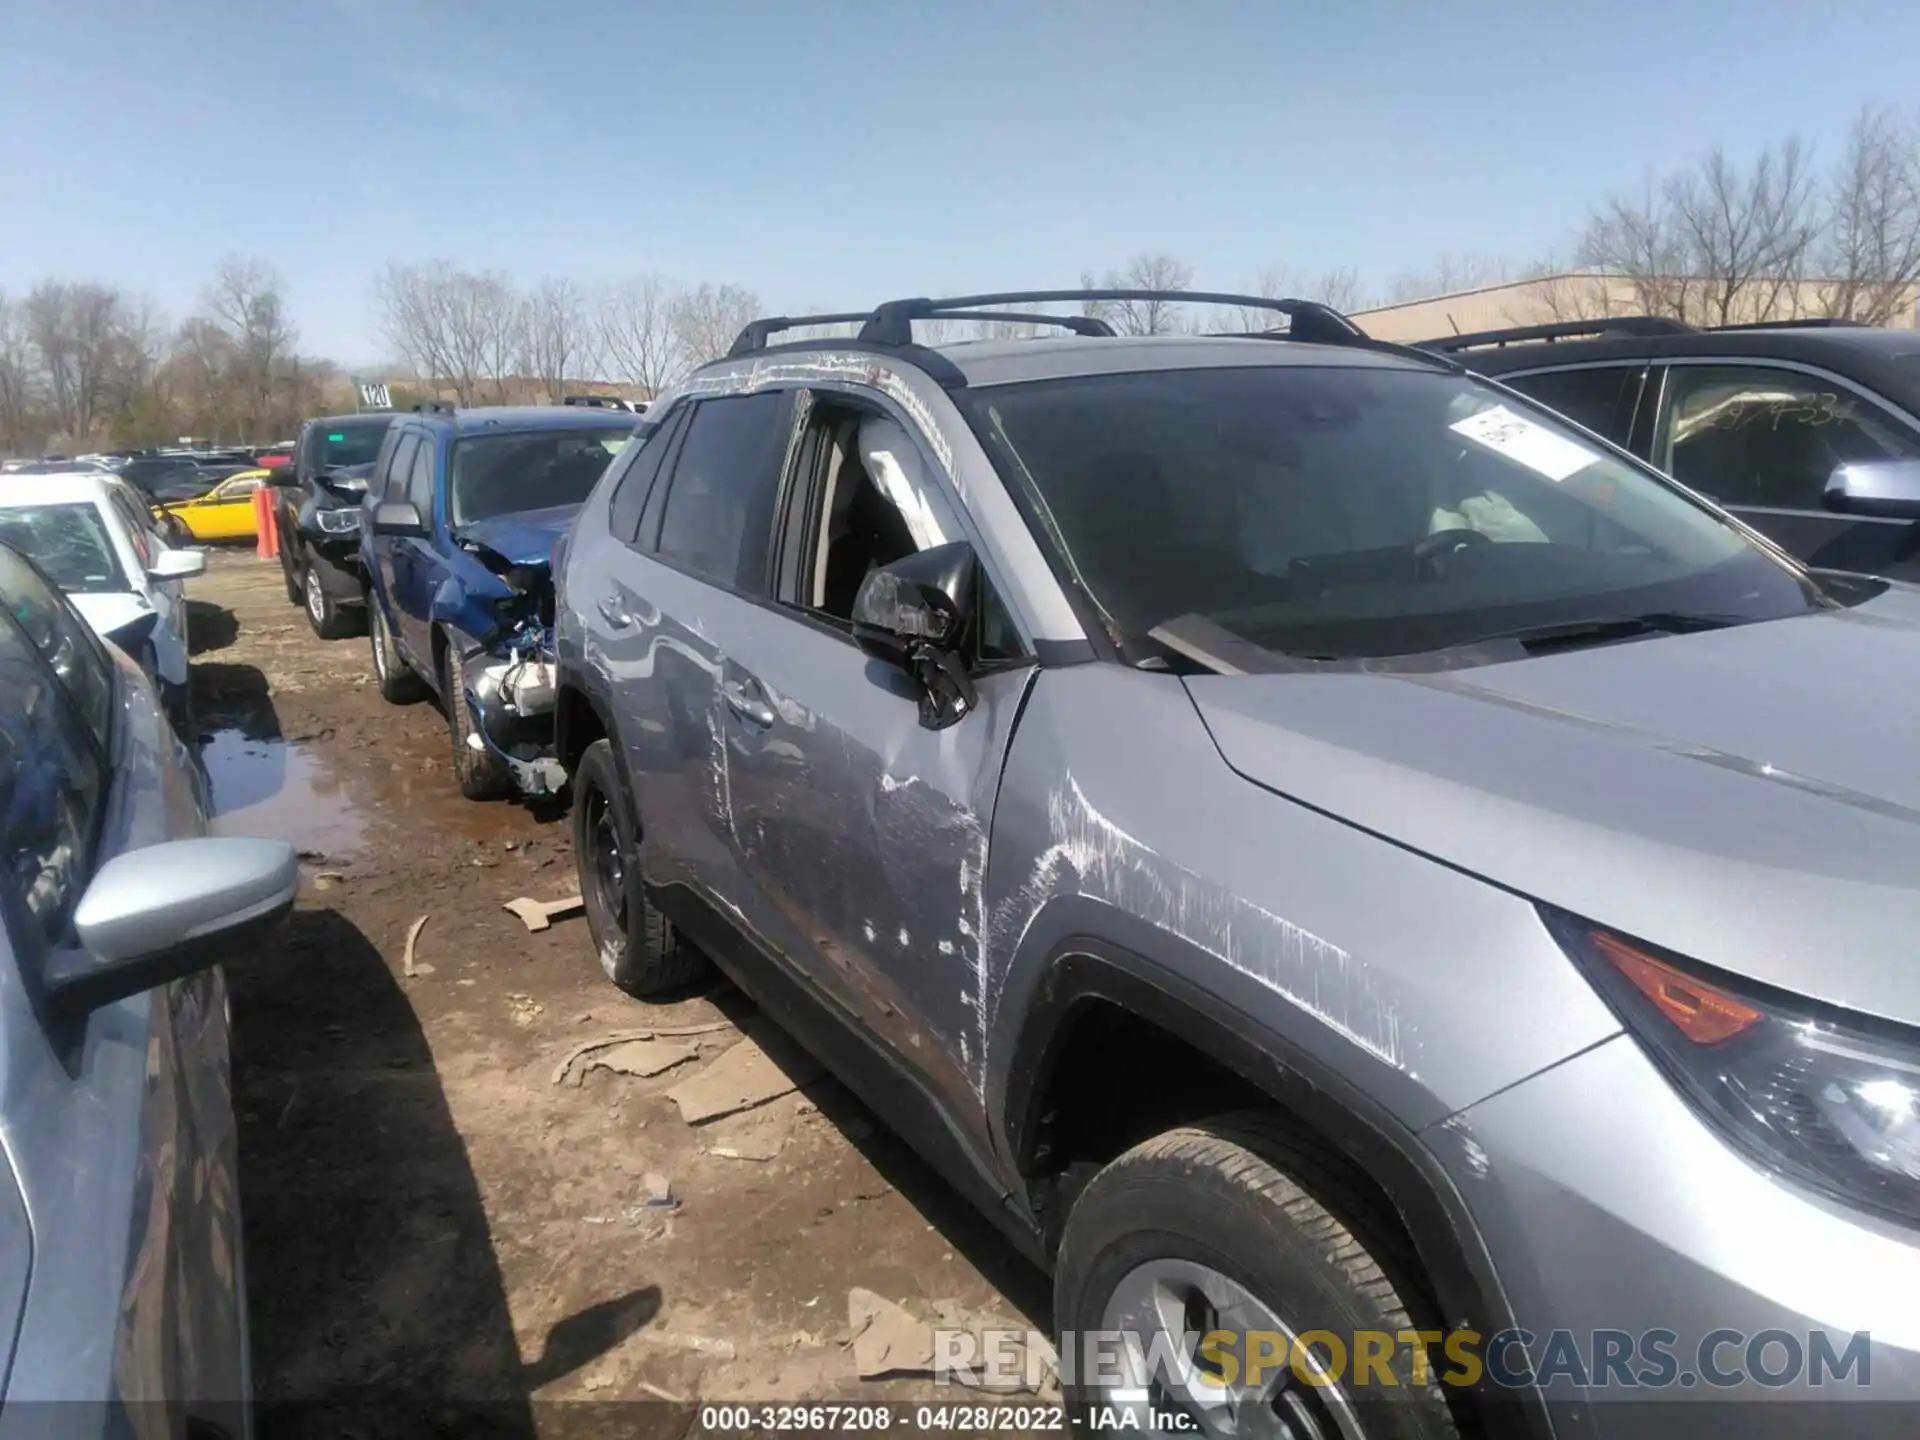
[281, 791]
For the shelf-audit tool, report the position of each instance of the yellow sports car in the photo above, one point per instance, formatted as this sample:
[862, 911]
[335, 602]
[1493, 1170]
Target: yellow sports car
[223, 513]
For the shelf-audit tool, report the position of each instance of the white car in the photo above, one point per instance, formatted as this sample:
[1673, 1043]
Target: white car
[94, 537]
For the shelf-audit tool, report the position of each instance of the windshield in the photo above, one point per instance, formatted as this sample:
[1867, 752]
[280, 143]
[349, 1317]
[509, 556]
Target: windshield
[499, 474]
[348, 442]
[68, 542]
[1341, 513]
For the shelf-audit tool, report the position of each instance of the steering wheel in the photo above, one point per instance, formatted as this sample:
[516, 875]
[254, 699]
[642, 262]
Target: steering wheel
[1431, 551]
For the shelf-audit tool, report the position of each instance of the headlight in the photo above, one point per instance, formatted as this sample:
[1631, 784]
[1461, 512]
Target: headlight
[1829, 1099]
[337, 522]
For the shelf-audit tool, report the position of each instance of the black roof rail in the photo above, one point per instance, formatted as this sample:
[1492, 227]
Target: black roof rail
[601, 402]
[891, 323]
[756, 333]
[1561, 330]
[433, 407]
[755, 336]
[1078, 324]
[1820, 322]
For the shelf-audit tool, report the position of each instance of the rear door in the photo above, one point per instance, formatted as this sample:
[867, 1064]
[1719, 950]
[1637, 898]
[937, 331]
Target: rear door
[683, 593]
[417, 565]
[1764, 439]
[389, 484]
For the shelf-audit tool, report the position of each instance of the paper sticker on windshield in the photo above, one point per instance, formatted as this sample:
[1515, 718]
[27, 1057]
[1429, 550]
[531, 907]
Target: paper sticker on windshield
[1525, 443]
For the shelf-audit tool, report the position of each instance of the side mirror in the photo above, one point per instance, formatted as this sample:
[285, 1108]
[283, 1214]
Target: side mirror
[178, 564]
[1889, 488]
[155, 915]
[915, 614]
[397, 517]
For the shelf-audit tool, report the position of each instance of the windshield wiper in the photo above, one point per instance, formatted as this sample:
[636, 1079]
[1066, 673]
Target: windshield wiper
[1570, 634]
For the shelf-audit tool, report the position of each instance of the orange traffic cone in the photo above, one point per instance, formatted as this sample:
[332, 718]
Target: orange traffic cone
[266, 534]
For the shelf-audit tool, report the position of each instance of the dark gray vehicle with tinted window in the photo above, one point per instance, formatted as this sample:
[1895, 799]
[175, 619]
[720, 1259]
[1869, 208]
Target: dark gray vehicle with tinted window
[317, 499]
[1808, 432]
[122, 1286]
[1323, 852]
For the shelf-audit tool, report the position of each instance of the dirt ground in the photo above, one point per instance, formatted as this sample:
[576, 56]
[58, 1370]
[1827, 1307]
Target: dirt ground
[440, 1238]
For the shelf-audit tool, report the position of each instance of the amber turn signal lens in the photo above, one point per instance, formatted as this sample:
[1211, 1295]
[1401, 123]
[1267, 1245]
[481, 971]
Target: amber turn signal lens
[1703, 1014]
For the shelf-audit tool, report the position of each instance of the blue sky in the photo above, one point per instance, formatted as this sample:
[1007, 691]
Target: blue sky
[840, 153]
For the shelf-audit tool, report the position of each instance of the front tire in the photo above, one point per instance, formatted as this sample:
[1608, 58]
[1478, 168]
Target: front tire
[638, 947]
[329, 618]
[1241, 1225]
[396, 683]
[481, 773]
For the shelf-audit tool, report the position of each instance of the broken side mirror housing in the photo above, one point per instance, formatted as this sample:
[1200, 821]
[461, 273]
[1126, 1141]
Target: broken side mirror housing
[1887, 488]
[398, 517]
[915, 614]
[155, 915]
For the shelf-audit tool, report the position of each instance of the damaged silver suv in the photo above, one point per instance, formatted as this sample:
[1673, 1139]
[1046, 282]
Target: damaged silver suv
[1405, 910]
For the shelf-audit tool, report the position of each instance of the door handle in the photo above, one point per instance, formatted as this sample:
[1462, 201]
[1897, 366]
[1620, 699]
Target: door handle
[749, 706]
[614, 613]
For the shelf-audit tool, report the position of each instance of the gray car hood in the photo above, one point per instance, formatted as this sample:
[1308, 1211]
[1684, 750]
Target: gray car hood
[1749, 796]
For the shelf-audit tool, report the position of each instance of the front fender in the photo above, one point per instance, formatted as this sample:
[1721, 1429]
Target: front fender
[464, 602]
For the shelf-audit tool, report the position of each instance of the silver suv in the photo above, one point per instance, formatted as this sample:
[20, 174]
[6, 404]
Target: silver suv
[1406, 911]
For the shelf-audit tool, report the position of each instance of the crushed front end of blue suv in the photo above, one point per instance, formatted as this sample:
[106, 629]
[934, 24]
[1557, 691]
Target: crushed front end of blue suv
[500, 616]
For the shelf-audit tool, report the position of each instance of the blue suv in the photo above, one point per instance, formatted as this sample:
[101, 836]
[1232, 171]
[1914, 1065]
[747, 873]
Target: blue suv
[465, 508]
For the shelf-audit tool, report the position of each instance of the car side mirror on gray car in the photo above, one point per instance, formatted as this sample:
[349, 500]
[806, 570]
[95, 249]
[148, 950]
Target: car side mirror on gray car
[1889, 488]
[156, 915]
[915, 614]
[398, 517]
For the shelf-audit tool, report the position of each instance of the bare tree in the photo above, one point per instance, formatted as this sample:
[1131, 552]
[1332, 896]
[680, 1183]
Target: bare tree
[488, 322]
[454, 327]
[1871, 246]
[705, 321]
[636, 333]
[415, 303]
[1339, 289]
[1143, 272]
[1715, 243]
[1747, 234]
[74, 332]
[20, 420]
[247, 300]
[1449, 275]
[555, 335]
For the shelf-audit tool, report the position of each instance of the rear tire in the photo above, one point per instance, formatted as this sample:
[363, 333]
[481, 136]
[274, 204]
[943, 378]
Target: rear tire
[329, 618]
[638, 947]
[397, 684]
[481, 773]
[1241, 1224]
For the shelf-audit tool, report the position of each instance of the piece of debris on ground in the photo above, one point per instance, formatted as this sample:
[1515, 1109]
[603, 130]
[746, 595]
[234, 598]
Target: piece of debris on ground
[409, 967]
[746, 1075]
[574, 1067]
[887, 1339]
[537, 915]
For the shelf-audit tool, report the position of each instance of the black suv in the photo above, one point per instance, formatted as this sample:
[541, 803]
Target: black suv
[1809, 432]
[316, 510]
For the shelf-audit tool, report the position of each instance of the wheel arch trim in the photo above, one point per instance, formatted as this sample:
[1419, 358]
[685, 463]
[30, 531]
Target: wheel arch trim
[1082, 968]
